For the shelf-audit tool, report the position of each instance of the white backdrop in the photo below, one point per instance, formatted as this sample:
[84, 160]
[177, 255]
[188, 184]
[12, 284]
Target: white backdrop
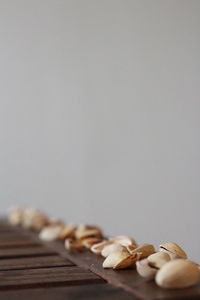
[100, 114]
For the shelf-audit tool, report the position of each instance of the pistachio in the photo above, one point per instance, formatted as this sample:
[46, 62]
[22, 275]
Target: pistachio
[15, 216]
[34, 219]
[120, 260]
[67, 231]
[145, 250]
[85, 231]
[124, 240]
[158, 259]
[174, 250]
[178, 273]
[50, 233]
[111, 248]
[89, 242]
[145, 270]
[98, 247]
[71, 244]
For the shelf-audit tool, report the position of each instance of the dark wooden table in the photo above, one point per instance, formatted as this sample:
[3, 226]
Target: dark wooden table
[30, 268]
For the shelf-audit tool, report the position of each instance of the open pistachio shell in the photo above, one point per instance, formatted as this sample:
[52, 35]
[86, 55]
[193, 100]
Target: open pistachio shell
[111, 248]
[120, 260]
[124, 240]
[50, 233]
[67, 231]
[145, 250]
[71, 244]
[89, 242]
[15, 216]
[174, 250]
[85, 231]
[98, 247]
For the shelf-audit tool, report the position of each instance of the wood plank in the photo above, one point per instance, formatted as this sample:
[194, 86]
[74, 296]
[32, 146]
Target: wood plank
[33, 262]
[83, 292]
[74, 275]
[17, 242]
[127, 279]
[25, 252]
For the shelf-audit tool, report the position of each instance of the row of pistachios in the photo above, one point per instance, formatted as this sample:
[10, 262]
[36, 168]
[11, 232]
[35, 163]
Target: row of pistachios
[169, 265]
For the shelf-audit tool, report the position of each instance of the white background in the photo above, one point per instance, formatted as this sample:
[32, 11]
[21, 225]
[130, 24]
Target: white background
[100, 114]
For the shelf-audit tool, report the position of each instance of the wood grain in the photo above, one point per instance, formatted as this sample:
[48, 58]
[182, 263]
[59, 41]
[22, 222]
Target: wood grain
[33, 262]
[46, 277]
[83, 292]
[25, 252]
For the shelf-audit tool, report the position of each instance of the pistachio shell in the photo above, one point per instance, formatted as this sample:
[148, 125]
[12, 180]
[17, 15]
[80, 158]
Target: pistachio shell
[124, 240]
[85, 231]
[178, 273]
[174, 250]
[98, 247]
[158, 259]
[111, 248]
[145, 270]
[145, 250]
[71, 244]
[120, 260]
[88, 242]
[128, 261]
[15, 216]
[34, 219]
[67, 231]
[50, 233]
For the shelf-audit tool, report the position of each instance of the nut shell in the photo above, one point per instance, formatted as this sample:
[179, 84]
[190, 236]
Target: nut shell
[158, 259]
[145, 250]
[174, 250]
[178, 273]
[145, 270]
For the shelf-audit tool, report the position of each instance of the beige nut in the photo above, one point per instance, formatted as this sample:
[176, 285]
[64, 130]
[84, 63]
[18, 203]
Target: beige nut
[112, 248]
[120, 260]
[71, 244]
[178, 273]
[50, 233]
[124, 240]
[15, 216]
[98, 247]
[85, 231]
[158, 259]
[34, 219]
[89, 242]
[145, 250]
[174, 250]
[145, 270]
[67, 231]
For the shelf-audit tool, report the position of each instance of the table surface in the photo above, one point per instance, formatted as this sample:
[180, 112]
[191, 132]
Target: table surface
[32, 268]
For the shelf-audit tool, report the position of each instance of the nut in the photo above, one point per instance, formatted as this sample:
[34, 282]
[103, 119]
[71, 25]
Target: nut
[15, 216]
[124, 240]
[111, 248]
[120, 260]
[178, 273]
[34, 219]
[50, 233]
[158, 259]
[89, 242]
[174, 250]
[71, 244]
[85, 231]
[67, 231]
[145, 270]
[145, 250]
[98, 247]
